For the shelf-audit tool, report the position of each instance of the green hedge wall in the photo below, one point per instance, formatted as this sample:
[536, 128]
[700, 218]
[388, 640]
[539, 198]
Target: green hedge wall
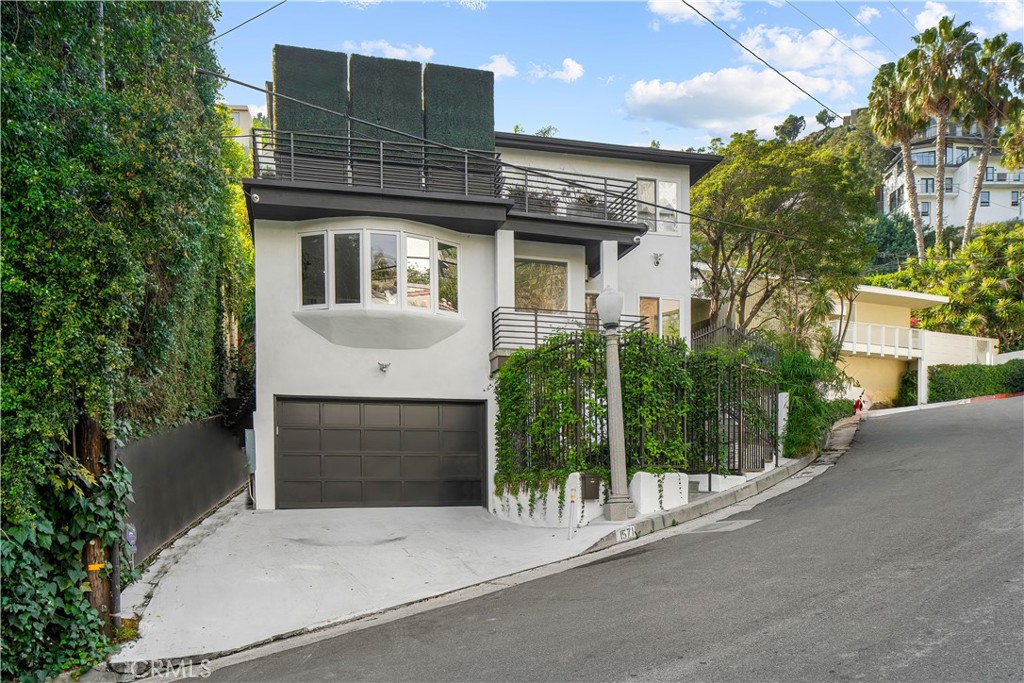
[316, 76]
[458, 106]
[956, 382]
[386, 92]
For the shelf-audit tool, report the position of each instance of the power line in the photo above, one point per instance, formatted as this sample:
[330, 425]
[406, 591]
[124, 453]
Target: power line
[902, 15]
[760, 59]
[834, 36]
[485, 157]
[197, 45]
[867, 29]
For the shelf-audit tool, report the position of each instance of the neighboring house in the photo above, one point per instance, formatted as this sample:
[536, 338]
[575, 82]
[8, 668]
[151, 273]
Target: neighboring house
[1001, 190]
[393, 276]
[881, 343]
[241, 118]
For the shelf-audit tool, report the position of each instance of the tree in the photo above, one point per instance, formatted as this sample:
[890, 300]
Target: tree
[984, 282]
[894, 121]
[1011, 142]
[655, 144]
[790, 129]
[825, 118]
[934, 75]
[989, 101]
[546, 132]
[779, 215]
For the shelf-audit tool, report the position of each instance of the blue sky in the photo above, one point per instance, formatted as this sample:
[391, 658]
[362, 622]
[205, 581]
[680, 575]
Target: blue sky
[620, 72]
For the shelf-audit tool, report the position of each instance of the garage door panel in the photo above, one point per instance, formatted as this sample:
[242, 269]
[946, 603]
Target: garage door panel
[457, 466]
[299, 439]
[461, 442]
[347, 453]
[382, 415]
[343, 466]
[342, 414]
[421, 467]
[342, 440]
[421, 415]
[343, 492]
[376, 440]
[298, 413]
[421, 442]
[382, 466]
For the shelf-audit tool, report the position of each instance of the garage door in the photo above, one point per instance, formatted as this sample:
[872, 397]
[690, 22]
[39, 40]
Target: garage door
[334, 453]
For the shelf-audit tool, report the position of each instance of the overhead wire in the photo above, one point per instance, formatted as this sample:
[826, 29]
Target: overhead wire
[834, 36]
[761, 59]
[902, 15]
[485, 157]
[852, 16]
[234, 28]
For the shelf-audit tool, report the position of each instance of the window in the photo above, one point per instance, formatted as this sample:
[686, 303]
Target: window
[926, 208]
[661, 316]
[927, 185]
[313, 270]
[984, 198]
[541, 285]
[923, 158]
[1015, 198]
[387, 269]
[948, 185]
[990, 173]
[657, 203]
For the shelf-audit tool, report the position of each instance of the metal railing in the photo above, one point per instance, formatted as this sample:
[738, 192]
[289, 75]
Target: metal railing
[421, 167]
[314, 157]
[932, 188]
[880, 340]
[513, 328]
[570, 194]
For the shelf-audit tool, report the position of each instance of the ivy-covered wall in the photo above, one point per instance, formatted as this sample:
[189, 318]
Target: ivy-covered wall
[121, 257]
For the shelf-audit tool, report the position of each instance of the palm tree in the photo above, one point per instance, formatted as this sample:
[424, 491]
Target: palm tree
[934, 74]
[895, 122]
[990, 102]
[1012, 140]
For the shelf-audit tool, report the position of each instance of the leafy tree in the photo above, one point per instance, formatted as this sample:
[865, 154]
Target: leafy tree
[894, 121]
[989, 101]
[546, 132]
[984, 281]
[935, 76]
[1011, 142]
[825, 118]
[655, 144]
[892, 237]
[787, 213]
[790, 129]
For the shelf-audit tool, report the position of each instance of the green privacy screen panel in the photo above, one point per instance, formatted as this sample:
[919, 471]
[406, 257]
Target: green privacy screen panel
[386, 92]
[316, 76]
[459, 106]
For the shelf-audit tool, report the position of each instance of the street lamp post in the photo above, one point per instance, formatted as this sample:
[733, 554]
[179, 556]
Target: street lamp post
[619, 506]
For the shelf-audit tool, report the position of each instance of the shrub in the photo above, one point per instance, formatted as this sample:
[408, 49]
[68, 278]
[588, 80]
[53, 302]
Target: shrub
[808, 380]
[957, 382]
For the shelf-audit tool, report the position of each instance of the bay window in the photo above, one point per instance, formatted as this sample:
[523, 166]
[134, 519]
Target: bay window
[379, 269]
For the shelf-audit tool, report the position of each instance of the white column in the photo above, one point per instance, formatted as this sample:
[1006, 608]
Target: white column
[610, 264]
[504, 269]
[922, 382]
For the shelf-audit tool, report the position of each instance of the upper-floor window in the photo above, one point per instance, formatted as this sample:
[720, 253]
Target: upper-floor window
[928, 185]
[923, 158]
[948, 185]
[661, 316]
[984, 198]
[1014, 198]
[542, 285]
[657, 202]
[990, 173]
[926, 208]
[378, 269]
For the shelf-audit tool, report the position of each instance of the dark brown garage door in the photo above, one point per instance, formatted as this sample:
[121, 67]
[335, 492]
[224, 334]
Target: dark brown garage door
[378, 453]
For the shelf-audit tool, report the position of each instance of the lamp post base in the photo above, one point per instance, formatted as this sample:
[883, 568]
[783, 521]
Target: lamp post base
[619, 510]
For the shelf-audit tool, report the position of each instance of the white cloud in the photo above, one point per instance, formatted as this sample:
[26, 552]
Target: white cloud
[776, 3]
[816, 52]
[386, 49]
[930, 15]
[473, 4]
[674, 11]
[571, 71]
[727, 100]
[501, 66]
[866, 14]
[258, 109]
[1007, 15]
[360, 4]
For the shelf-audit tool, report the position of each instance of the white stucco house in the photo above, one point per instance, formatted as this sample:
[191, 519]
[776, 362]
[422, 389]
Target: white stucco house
[393, 274]
[1001, 190]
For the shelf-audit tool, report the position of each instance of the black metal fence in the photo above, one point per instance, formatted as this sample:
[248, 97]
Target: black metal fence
[715, 409]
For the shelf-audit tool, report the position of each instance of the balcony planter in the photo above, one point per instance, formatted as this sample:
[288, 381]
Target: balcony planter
[539, 201]
[586, 205]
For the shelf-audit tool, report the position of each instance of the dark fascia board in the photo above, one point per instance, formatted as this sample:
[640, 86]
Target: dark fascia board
[297, 201]
[568, 230]
[699, 164]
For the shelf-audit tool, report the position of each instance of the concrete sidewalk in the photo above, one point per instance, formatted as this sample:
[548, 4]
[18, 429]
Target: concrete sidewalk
[244, 578]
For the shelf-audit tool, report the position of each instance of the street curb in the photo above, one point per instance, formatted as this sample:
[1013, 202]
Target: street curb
[885, 412]
[713, 503]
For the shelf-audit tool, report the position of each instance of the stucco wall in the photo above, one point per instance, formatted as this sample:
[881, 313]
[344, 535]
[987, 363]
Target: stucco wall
[878, 377]
[956, 349]
[881, 314]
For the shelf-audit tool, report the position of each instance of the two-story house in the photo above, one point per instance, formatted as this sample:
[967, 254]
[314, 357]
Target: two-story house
[403, 249]
[1000, 197]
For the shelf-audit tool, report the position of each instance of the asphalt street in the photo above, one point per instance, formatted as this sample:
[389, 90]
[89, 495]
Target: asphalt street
[904, 561]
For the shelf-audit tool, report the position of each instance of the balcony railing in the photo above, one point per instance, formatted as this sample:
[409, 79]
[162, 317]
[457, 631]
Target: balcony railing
[557, 193]
[421, 167]
[528, 328]
[932, 188]
[880, 340]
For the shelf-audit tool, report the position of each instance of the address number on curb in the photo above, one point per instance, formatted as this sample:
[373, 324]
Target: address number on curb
[626, 533]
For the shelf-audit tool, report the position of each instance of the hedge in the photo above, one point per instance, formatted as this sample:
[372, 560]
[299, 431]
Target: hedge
[956, 382]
